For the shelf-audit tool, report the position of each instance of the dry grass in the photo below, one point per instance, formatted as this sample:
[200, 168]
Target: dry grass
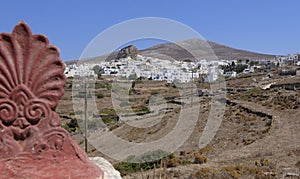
[244, 145]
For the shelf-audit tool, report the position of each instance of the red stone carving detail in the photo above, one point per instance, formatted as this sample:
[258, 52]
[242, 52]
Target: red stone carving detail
[32, 143]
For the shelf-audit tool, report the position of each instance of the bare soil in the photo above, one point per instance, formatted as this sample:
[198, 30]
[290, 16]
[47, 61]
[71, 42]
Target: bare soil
[259, 132]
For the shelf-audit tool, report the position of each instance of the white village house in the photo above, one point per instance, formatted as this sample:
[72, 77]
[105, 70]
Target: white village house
[230, 74]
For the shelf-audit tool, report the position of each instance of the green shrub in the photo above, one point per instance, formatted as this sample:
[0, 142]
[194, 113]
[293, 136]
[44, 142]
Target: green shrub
[69, 85]
[145, 162]
[154, 92]
[71, 126]
[78, 112]
[127, 167]
[141, 109]
[108, 111]
[111, 128]
[99, 95]
[109, 119]
[298, 164]
[107, 85]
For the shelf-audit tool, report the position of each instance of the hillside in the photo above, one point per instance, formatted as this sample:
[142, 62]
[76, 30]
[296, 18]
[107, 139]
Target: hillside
[201, 50]
[257, 138]
[184, 49]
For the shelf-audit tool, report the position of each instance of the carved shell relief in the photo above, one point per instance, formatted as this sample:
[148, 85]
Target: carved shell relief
[31, 84]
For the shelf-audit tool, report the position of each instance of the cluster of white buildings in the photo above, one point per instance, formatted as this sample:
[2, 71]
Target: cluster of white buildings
[282, 60]
[151, 68]
[170, 71]
[80, 70]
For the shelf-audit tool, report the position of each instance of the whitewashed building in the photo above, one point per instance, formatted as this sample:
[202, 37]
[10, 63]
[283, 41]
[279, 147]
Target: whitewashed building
[213, 74]
[230, 74]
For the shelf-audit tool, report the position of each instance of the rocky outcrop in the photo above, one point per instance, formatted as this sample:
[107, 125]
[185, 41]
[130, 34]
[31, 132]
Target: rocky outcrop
[129, 51]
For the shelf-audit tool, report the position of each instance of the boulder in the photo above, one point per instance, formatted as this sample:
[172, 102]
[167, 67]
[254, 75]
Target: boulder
[109, 171]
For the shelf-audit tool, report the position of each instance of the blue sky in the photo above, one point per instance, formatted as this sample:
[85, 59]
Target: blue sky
[266, 26]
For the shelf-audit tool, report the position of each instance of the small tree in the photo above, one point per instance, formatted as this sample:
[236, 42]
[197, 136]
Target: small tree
[96, 69]
[233, 64]
[132, 76]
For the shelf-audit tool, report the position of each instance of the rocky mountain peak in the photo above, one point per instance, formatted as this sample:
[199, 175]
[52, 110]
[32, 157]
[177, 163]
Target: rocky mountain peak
[129, 51]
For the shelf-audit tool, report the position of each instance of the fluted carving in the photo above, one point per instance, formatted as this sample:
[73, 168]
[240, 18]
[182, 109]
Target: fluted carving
[31, 84]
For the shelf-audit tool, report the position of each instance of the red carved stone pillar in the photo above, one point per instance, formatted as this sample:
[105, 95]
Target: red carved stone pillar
[32, 142]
